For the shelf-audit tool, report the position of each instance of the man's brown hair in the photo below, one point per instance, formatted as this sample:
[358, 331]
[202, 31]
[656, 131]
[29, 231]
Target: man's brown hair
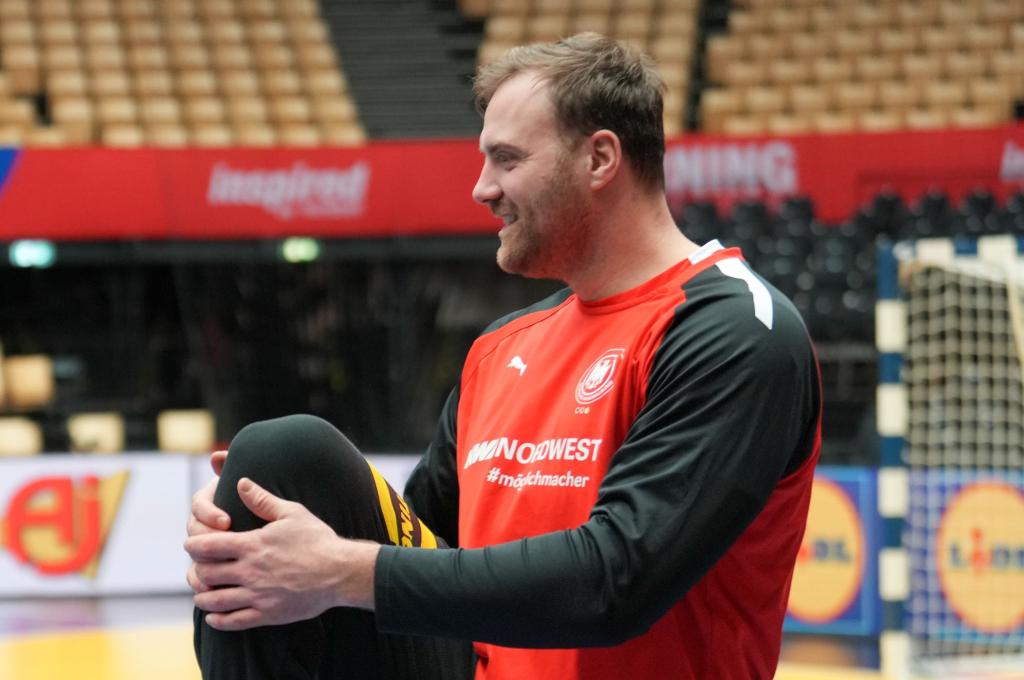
[595, 83]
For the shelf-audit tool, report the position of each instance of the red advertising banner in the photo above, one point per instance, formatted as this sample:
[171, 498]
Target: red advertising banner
[423, 188]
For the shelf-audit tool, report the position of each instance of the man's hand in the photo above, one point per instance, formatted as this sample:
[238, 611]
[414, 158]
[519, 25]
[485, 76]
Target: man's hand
[292, 569]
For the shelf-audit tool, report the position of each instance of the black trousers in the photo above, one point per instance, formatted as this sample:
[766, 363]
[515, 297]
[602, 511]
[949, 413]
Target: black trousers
[305, 459]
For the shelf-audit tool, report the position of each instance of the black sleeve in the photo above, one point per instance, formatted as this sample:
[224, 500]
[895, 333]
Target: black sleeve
[432, 489]
[730, 405]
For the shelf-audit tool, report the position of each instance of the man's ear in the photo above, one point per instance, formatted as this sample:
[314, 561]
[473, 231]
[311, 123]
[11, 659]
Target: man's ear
[605, 158]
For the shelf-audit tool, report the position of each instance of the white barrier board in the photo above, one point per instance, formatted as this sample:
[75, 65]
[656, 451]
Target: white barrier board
[85, 525]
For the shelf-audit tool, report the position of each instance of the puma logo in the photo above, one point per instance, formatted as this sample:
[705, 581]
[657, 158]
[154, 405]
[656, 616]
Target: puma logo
[517, 363]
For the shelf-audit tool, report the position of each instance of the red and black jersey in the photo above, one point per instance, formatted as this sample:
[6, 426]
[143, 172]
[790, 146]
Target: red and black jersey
[628, 482]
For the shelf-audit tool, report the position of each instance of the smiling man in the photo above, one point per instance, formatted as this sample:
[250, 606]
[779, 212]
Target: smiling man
[625, 467]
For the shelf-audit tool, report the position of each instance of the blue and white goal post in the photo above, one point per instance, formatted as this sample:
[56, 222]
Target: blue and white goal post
[950, 413]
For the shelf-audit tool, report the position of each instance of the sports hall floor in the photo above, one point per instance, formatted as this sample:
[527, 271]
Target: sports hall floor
[150, 637]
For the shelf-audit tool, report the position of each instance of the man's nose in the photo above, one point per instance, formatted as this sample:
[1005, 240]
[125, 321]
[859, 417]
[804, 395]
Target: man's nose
[486, 189]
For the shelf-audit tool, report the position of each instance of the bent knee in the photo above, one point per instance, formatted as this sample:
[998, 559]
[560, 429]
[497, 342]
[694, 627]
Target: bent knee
[289, 443]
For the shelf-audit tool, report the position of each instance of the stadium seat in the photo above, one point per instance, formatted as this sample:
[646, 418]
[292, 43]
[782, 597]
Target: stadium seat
[852, 42]
[895, 42]
[976, 117]
[598, 22]
[764, 100]
[605, 6]
[989, 92]
[17, 112]
[247, 109]
[113, 110]
[96, 432]
[62, 58]
[147, 57]
[831, 69]
[766, 47]
[319, 82]
[298, 135]
[241, 82]
[58, 32]
[159, 110]
[187, 56]
[790, 124]
[28, 381]
[945, 95]
[741, 74]
[855, 96]
[17, 32]
[926, 119]
[931, 216]
[334, 109]
[722, 50]
[809, 99]
[20, 436]
[808, 46]
[122, 135]
[197, 83]
[899, 96]
[347, 133]
[315, 56]
[281, 82]
[744, 125]
[254, 134]
[166, 135]
[879, 121]
[111, 83]
[95, 10]
[675, 24]
[45, 137]
[143, 32]
[156, 83]
[21, 66]
[290, 109]
[228, 57]
[547, 27]
[186, 431]
[75, 116]
[835, 122]
[875, 67]
[204, 109]
[272, 56]
[645, 6]
[212, 135]
[632, 26]
[101, 32]
[305, 31]
[266, 32]
[786, 72]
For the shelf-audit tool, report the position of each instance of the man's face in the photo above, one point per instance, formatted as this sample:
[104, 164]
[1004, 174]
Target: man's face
[534, 180]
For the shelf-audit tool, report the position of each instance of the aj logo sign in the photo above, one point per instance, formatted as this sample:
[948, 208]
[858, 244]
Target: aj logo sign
[58, 525]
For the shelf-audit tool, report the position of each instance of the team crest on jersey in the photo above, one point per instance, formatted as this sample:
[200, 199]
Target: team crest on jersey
[599, 379]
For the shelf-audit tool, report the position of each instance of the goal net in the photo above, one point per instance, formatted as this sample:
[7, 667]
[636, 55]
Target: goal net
[963, 370]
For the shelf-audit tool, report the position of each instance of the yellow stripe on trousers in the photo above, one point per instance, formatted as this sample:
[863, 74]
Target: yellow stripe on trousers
[393, 517]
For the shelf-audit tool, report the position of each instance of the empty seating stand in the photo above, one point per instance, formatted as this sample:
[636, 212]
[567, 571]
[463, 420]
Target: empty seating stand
[171, 73]
[665, 29]
[816, 66]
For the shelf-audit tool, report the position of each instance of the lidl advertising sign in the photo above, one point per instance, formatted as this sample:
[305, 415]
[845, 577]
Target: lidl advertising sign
[835, 583]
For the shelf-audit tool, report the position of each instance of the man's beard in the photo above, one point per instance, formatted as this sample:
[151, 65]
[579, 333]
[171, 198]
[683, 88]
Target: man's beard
[546, 240]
